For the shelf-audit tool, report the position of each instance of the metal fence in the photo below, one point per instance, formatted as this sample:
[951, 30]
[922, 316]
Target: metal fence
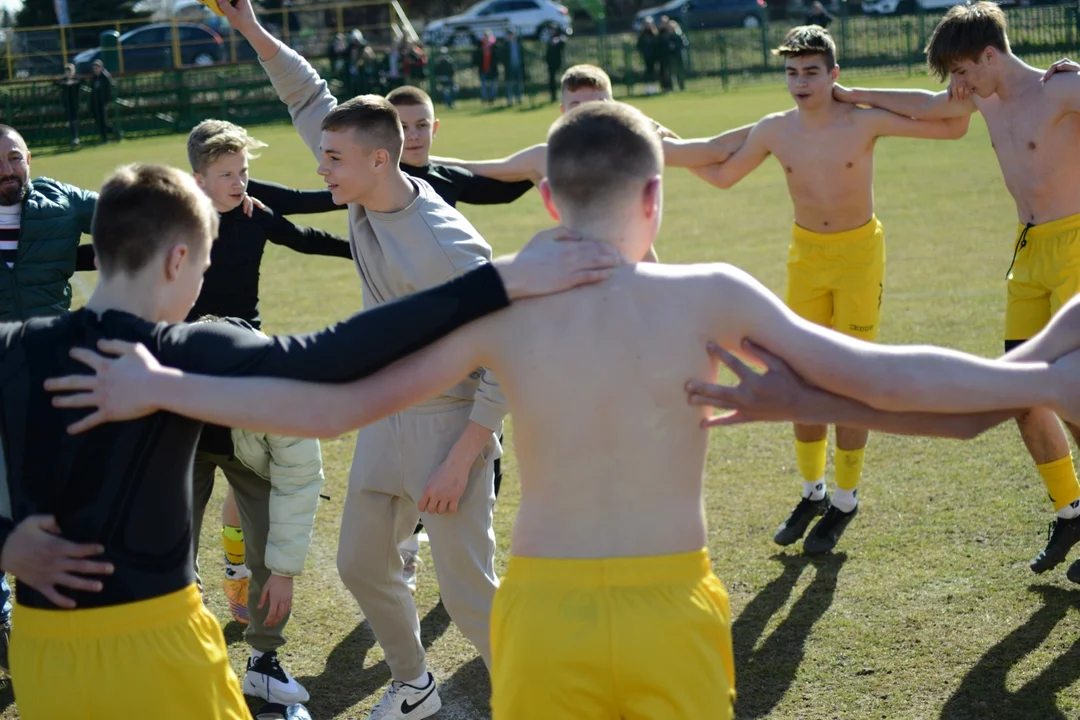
[194, 36]
[175, 100]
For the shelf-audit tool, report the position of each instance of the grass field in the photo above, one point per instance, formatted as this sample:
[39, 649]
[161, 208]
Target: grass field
[928, 611]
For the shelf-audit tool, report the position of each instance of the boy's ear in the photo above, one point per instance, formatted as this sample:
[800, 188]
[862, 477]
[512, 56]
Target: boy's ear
[549, 203]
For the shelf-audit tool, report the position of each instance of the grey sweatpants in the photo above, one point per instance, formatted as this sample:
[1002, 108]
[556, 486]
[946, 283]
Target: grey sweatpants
[394, 460]
[252, 495]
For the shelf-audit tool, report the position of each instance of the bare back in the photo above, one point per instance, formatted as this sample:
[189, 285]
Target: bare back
[611, 455]
[829, 169]
[1037, 141]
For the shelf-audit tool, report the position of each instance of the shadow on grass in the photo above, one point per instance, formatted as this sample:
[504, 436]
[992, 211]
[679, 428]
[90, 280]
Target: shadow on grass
[344, 681]
[467, 693]
[7, 694]
[763, 676]
[983, 692]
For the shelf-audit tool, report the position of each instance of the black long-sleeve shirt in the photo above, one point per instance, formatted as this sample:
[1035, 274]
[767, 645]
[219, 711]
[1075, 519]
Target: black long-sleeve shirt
[452, 184]
[231, 285]
[127, 485]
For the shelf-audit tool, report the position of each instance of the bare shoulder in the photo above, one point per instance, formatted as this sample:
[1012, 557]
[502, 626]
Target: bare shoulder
[711, 277]
[777, 121]
[1064, 88]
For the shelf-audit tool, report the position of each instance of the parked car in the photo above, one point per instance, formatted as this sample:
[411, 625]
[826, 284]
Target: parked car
[150, 47]
[698, 14]
[906, 7]
[528, 18]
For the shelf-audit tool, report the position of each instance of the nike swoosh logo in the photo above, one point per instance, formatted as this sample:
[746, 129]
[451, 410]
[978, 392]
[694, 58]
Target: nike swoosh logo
[407, 708]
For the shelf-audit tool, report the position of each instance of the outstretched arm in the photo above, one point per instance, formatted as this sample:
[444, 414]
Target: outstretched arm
[704, 151]
[291, 201]
[281, 407]
[528, 164]
[896, 378]
[295, 80]
[745, 160]
[919, 104]
[887, 124]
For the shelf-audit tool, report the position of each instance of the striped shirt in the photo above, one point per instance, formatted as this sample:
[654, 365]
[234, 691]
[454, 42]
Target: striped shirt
[9, 233]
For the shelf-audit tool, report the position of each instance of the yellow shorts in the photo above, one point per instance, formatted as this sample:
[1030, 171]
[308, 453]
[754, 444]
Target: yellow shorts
[163, 658]
[1044, 276]
[837, 279]
[612, 639]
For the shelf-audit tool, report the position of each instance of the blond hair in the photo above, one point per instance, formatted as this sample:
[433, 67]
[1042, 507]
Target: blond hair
[211, 140]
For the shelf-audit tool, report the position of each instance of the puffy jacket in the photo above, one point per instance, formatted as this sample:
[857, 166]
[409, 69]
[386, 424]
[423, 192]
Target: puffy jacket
[294, 468]
[54, 217]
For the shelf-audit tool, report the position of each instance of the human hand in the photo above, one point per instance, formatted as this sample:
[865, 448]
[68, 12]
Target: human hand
[38, 557]
[249, 204]
[445, 488]
[277, 593]
[1062, 65]
[556, 260]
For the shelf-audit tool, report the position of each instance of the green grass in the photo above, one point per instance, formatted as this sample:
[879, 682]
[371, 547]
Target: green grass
[930, 611]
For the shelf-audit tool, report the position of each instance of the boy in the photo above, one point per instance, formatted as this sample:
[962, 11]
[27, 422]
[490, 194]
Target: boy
[453, 184]
[219, 153]
[608, 606]
[836, 263]
[1034, 129]
[143, 638]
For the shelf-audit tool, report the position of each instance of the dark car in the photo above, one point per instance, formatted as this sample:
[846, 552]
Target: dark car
[151, 47]
[697, 14]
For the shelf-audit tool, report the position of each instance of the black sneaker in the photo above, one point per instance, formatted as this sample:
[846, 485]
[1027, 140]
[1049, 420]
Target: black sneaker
[795, 526]
[1061, 536]
[827, 532]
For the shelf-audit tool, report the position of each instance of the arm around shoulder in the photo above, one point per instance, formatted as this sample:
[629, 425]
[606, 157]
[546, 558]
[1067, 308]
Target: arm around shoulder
[745, 159]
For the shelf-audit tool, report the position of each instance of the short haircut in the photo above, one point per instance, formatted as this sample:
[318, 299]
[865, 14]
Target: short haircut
[374, 118]
[585, 77]
[597, 151]
[143, 209]
[409, 96]
[8, 131]
[963, 34]
[70, 67]
[211, 140]
[808, 40]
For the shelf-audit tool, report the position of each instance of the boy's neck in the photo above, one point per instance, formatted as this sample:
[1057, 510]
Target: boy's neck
[819, 116]
[394, 195]
[1014, 77]
[618, 235]
[124, 293]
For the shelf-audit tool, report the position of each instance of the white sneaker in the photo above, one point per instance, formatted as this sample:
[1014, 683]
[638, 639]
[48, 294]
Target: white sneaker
[266, 679]
[408, 701]
[412, 563]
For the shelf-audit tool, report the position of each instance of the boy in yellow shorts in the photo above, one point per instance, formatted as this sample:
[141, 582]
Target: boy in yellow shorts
[836, 262]
[1032, 118]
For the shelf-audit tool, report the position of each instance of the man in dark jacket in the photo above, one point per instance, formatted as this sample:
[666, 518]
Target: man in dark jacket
[101, 97]
[41, 223]
[70, 87]
[554, 56]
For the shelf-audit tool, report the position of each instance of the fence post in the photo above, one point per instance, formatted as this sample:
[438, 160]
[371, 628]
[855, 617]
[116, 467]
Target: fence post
[843, 31]
[178, 59]
[765, 43]
[723, 62]
[63, 44]
[10, 63]
[222, 88]
[910, 53]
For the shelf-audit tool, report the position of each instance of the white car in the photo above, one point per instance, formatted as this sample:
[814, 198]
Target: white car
[528, 18]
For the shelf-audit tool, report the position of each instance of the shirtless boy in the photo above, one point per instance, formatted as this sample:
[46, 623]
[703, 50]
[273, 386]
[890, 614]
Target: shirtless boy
[836, 263]
[608, 607]
[1035, 131]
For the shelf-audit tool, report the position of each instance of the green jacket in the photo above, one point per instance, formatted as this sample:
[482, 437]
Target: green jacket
[54, 217]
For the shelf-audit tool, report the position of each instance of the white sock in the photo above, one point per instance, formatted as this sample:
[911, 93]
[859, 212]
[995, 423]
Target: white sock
[1069, 511]
[256, 654]
[236, 572]
[420, 682]
[813, 490]
[411, 544]
[845, 500]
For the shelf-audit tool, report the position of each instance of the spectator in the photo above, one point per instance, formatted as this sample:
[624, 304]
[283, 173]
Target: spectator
[678, 46]
[554, 56]
[487, 67]
[356, 45]
[394, 78]
[70, 87]
[444, 77]
[339, 59]
[663, 52]
[101, 97]
[648, 45]
[818, 15]
[413, 63]
[513, 62]
[369, 73]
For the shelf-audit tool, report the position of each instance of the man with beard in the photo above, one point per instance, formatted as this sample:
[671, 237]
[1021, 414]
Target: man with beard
[41, 223]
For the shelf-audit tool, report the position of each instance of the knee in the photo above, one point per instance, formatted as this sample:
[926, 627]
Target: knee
[357, 568]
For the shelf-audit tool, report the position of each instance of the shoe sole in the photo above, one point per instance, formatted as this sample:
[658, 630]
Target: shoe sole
[253, 689]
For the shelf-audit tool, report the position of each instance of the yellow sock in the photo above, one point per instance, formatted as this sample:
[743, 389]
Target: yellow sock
[810, 457]
[232, 539]
[848, 468]
[1060, 479]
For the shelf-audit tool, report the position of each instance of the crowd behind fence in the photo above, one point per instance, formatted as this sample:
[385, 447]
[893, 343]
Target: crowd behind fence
[175, 100]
